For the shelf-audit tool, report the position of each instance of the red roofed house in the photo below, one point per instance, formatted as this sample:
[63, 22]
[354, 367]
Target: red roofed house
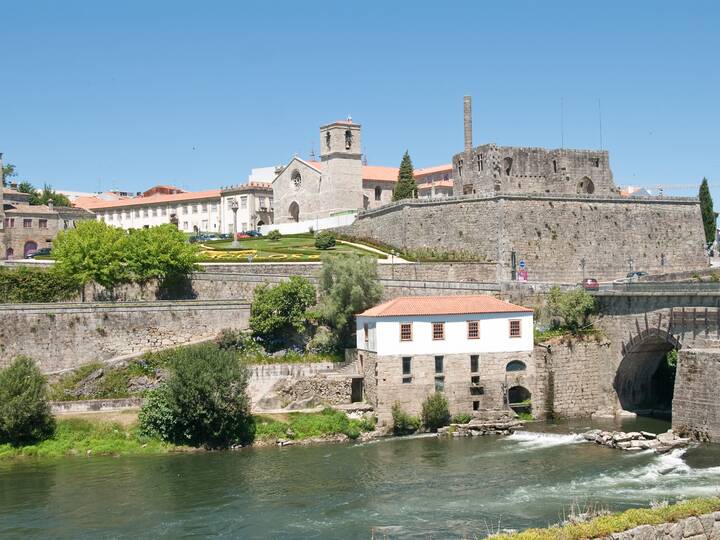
[340, 183]
[477, 350]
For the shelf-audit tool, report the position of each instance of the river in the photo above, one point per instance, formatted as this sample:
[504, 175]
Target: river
[399, 488]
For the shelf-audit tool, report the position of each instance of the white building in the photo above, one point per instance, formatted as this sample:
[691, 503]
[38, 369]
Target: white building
[478, 350]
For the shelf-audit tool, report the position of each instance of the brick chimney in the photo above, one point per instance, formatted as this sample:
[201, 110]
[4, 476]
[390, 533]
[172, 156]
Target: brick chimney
[467, 117]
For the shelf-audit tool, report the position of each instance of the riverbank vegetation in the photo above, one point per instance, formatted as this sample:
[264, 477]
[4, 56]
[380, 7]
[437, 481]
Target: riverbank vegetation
[603, 526]
[302, 426]
[435, 414]
[568, 313]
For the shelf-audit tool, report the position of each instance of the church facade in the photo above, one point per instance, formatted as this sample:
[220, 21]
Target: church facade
[340, 183]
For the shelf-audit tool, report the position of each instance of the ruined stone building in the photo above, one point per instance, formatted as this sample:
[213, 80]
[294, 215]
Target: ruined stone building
[340, 182]
[556, 211]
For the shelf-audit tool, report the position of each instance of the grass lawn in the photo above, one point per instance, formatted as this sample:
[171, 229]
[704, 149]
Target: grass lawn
[291, 248]
[117, 433]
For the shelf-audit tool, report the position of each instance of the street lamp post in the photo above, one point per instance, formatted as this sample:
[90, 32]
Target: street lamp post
[234, 207]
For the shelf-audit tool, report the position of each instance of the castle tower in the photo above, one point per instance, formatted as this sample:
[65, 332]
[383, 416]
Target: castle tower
[341, 156]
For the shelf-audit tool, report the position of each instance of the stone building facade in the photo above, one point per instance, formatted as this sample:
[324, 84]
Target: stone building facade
[26, 228]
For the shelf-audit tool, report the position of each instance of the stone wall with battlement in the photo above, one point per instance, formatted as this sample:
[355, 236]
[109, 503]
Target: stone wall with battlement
[554, 234]
[64, 336]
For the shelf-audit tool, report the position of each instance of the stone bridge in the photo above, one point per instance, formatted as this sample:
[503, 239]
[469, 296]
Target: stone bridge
[643, 322]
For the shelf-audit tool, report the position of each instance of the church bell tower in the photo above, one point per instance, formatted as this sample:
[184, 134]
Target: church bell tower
[341, 186]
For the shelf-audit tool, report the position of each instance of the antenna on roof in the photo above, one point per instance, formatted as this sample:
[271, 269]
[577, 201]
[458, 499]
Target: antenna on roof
[364, 158]
[312, 152]
[349, 119]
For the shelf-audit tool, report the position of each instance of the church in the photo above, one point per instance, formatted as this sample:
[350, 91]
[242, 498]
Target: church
[340, 183]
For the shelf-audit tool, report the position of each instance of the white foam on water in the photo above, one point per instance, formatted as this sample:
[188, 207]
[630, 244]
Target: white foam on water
[530, 440]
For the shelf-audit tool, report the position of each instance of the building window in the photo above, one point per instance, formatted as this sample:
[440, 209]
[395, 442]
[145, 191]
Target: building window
[366, 333]
[515, 328]
[439, 361]
[243, 202]
[507, 165]
[438, 331]
[185, 209]
[163, 211]
[473, 330]
[155, 212]
[596, 162]
[194, 208]
[439, 384]
[185, 225]
[145, 212]
[480, 162]
[204, 207]
[261, 202]
[9, 223]
[554, 166]
[42, 223]
[467, 189]
[474, 363]
[137, 212]
[516, 365]
[378, 193]
[407, 369]
[27, 223]
[476, 405]
[405, 331]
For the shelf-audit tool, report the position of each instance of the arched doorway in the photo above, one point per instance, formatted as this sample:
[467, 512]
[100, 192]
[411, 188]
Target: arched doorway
[9, 254]
[586, 186]
[645, 378]
[294, 211]
[519, 399]
[29, 249]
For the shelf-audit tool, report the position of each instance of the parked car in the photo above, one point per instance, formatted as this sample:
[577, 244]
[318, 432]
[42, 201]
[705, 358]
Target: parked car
[41, 251]
[254, 233]
[226, 236]
[590, 284]
[633, 276]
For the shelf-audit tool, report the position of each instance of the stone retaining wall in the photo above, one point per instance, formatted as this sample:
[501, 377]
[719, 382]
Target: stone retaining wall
[95, 405]
[696, 410]
[65, 336]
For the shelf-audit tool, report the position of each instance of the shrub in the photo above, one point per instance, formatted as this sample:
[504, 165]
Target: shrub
[274, 235]
[403, 423]
[572, 307]
[348, 285]
[18, 285]
[435, 413]
[203, 403]
[325, 240]
[278, 314]
[238, 340]
[24, 410]
[461, 418]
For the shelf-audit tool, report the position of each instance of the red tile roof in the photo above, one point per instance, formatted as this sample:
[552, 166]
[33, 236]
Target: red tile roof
[443, 305]
[385, 174]
[92, 203]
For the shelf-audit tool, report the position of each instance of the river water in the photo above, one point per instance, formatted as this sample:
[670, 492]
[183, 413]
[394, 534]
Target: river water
[397, 488]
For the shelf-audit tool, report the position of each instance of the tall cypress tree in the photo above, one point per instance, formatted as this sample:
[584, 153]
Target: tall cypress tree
[708, 214]
[406, 187]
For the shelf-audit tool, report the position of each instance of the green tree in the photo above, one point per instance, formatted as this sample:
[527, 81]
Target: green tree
[160, 253]
[44, 196]
[403, 423]
[406, 187]
[8, 172]
[93, 251]
[278, 315]
[572, 307]
[25, 416]
[23, 284]
[708, 214]
[203, 403]
[27, 187]
[325, 240]
[435, 412]
[348, 285]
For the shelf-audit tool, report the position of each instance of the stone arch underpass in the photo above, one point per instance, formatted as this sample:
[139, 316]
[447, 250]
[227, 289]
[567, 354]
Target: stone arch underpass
[644, 380]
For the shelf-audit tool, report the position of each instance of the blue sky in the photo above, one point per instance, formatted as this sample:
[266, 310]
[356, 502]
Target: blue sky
[134, 93]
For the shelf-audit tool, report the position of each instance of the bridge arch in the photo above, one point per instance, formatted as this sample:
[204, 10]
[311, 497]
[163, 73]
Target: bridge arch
[644, 380]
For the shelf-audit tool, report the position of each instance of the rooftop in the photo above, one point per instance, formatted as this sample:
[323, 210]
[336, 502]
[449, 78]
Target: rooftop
[443, 305]
[92, 203]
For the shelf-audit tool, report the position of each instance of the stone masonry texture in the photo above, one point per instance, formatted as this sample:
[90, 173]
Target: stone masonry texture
[554, 234]
[65, 336]
[696, 410]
